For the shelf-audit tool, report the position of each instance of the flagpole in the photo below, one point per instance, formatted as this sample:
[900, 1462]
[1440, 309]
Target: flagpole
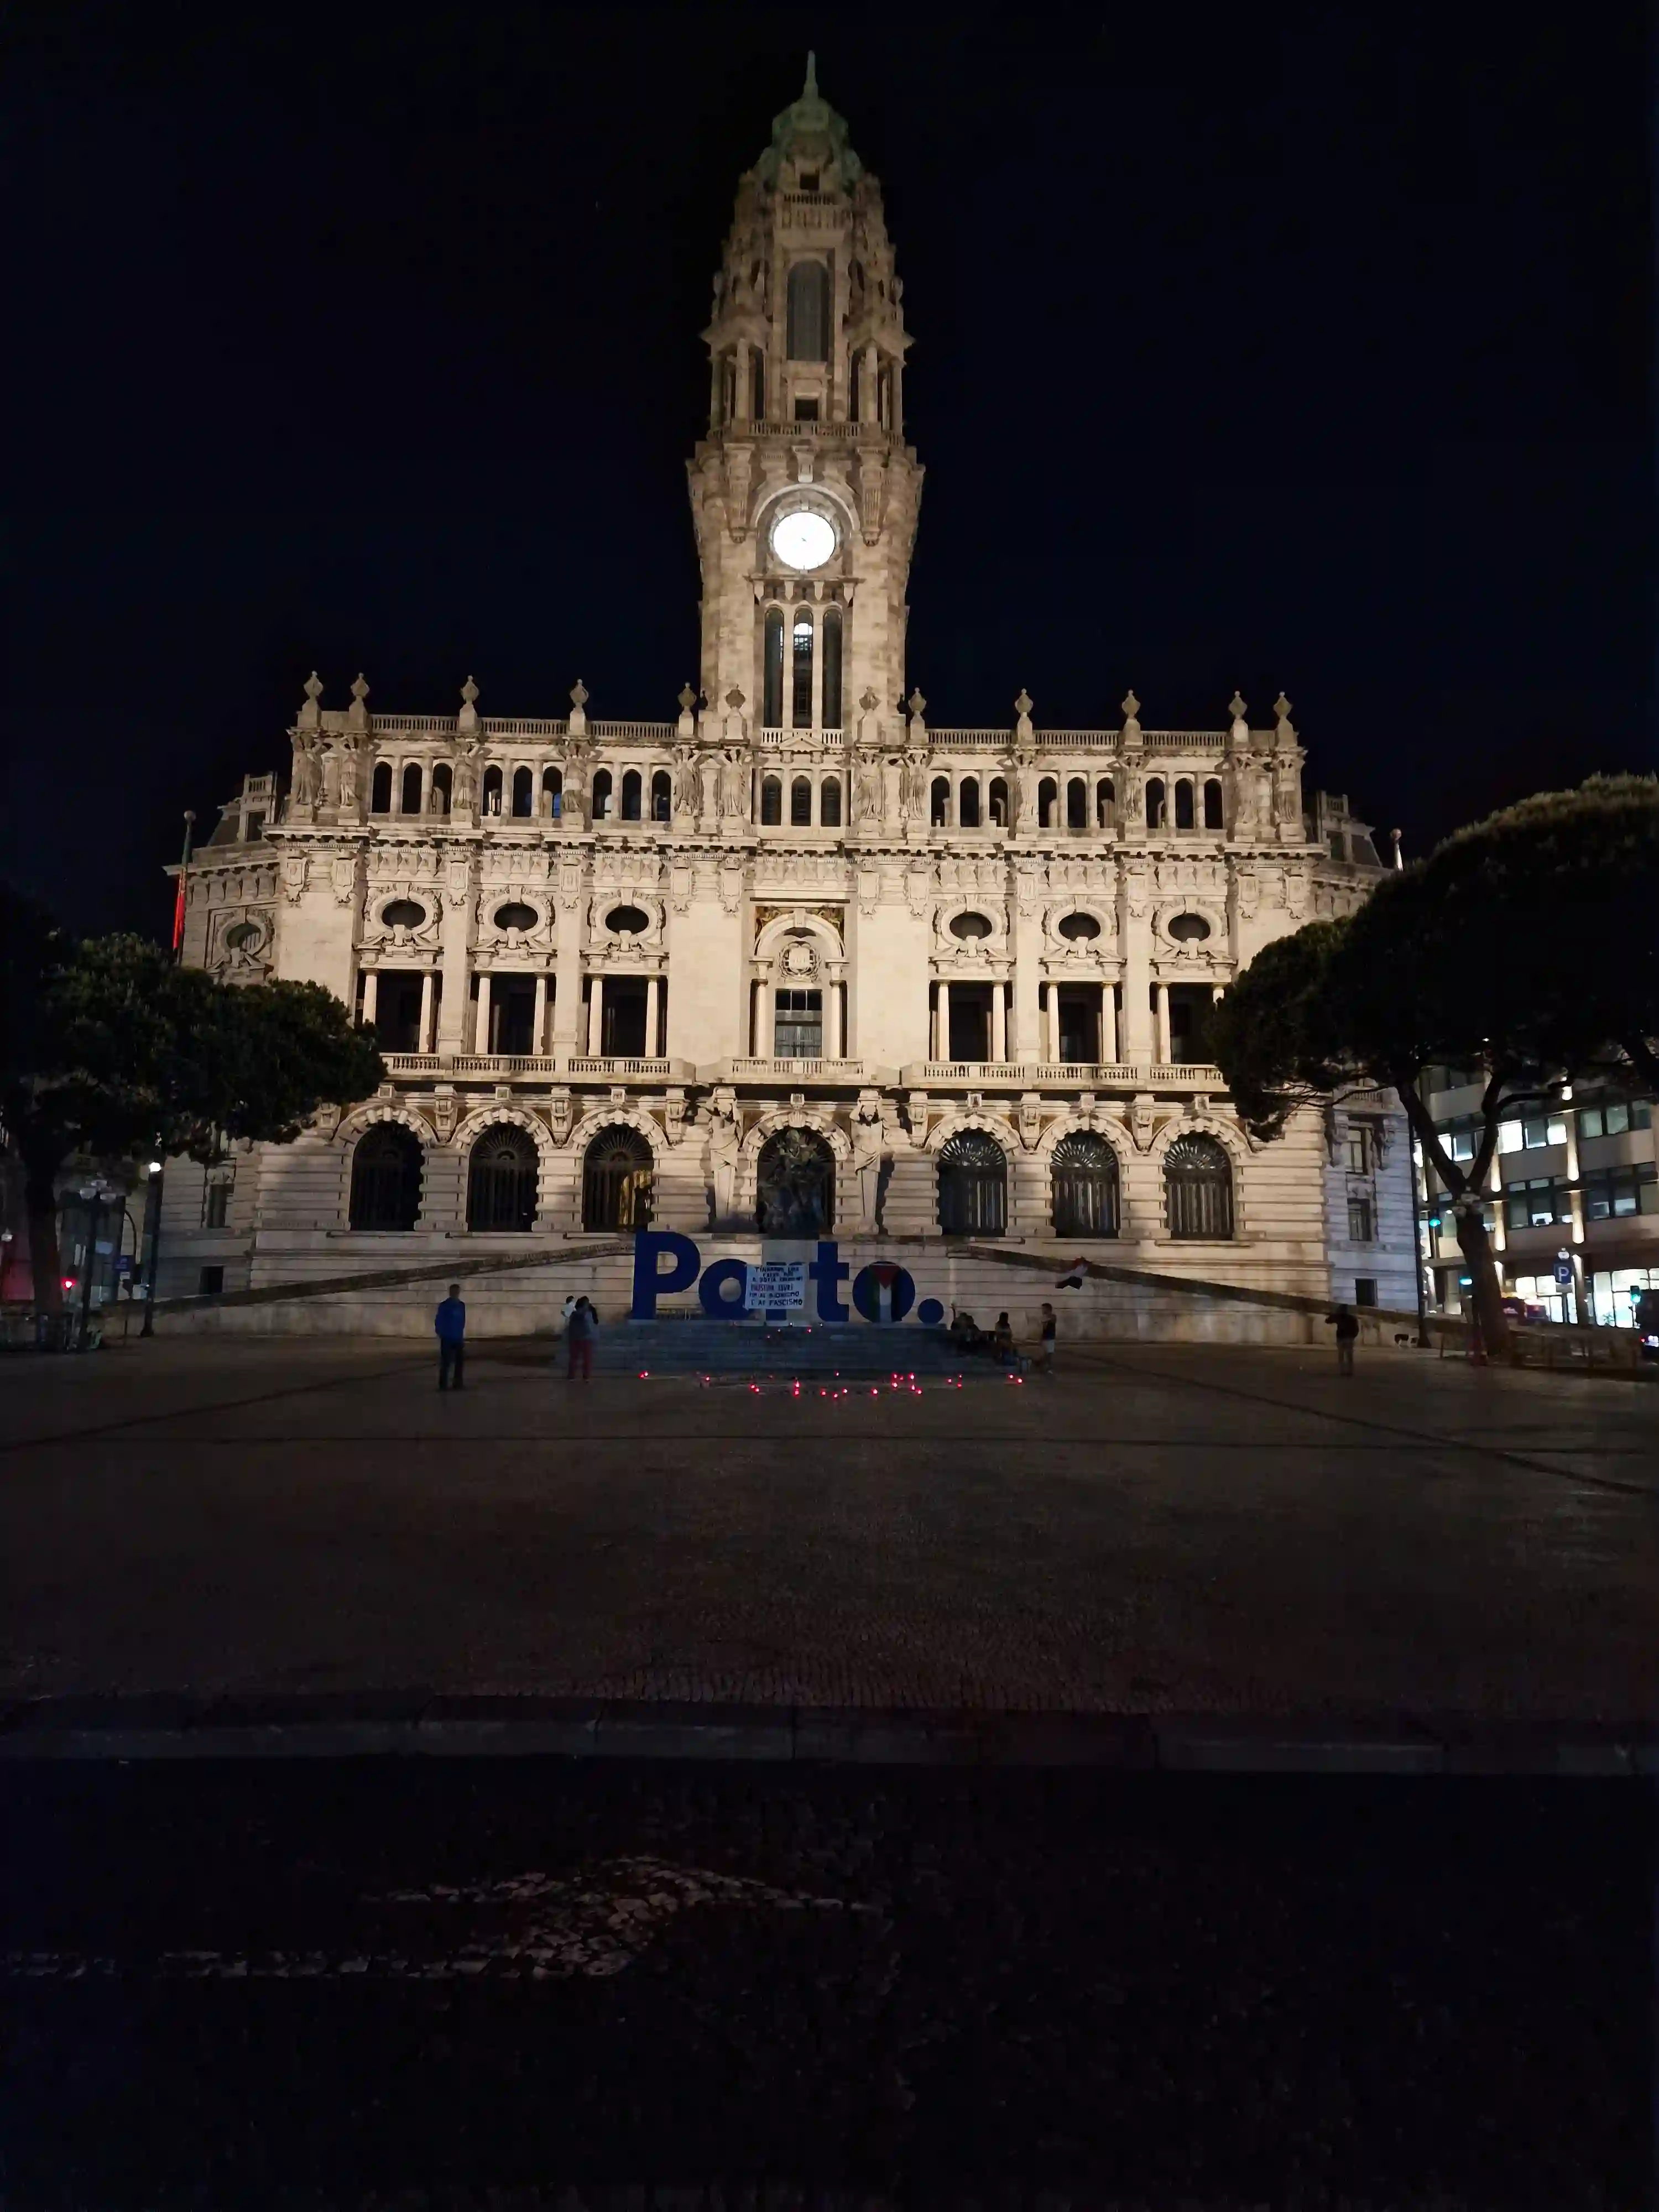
[153, 1189]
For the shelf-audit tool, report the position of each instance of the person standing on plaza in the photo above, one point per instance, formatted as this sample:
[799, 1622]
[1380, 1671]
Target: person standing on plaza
[1048, 1334]
[580, 1332]
[1348, 1329]
[450, 1323]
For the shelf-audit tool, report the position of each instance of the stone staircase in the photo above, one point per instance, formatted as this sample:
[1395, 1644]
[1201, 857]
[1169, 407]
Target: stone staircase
[770, 1352]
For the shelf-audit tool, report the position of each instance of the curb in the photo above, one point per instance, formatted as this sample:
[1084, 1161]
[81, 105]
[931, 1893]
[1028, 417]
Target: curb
[418, 1724]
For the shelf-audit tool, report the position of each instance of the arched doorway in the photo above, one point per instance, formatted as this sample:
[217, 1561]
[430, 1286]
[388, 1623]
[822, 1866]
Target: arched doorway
[795, 1185]
[385, 1178]
[501, 1183]
[973, 1185]
[1198, 1188]
[1084, 1185]
[616, 1179]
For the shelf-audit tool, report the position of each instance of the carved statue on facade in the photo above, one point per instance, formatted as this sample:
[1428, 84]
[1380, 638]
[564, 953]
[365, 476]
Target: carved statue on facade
[709, 778]
[734, 786]
[870, 1149]
[867, 789]
[915, 799]
[686, 780]
[724, 1129]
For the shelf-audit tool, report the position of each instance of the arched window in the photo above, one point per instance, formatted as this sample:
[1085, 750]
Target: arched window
[617, 1181]
[602, 791]
[1198, 1188]
[443, 784]
[662, 795]
[968, 802]
[831, 668]
[829, 802]
[771, 799]
[1047, 798]
[1084, 1185]
[1105, 803]
[379, 794]
[385, 1178]
[1214, 814]
[772, 675]
[973, 1185]
[795, 1185]
[801, 802]
[631, 792]
[492, 791]
[800, 661]
[552, 790]
[523, 791]
[941, 802]
[1077, 802]
[999, 803]
[411, 796]
[1184, 803]
[1155, 808]
[501, 1180]
[808, 315]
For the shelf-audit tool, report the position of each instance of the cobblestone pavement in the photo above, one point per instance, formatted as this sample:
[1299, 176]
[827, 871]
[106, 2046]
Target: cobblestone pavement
[1159, 1530]
[302, 1985]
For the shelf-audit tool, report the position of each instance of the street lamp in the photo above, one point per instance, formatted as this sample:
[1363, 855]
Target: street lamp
[152, 1241]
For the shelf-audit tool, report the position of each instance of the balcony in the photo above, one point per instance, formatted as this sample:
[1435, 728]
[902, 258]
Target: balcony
[1051, 1074]
[548, 1066]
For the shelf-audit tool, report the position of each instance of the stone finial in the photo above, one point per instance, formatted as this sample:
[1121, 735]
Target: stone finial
[686, 726]
[1131, 720]
[734, 699]
[869, 701]
[577, 723]
[810, 90]
[688, 698]
[1393, 839]
[357, 713]
[310, 714]
[734, 722]
[1285, 734]
[918, 707]
[1237, 708]
[579, 693]
[1025, 704]
[1131, 706]
[1239, 734]
[468, 717]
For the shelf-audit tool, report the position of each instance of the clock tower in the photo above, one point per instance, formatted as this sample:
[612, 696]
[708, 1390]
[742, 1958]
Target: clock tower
[804, 492]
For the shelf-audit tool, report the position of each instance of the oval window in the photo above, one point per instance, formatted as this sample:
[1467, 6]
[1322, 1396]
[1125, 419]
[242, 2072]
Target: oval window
[1189, 928]
[970, 924]
[515, 915]
[1078, 928]
[403, 914]
[244, 936]
[627, 920]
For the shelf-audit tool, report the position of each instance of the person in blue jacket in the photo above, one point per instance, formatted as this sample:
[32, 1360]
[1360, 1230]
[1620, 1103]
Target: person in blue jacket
[450, 1322]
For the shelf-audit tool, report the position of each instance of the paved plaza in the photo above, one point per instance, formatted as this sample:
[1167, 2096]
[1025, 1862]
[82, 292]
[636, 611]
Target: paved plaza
[1157, 1530]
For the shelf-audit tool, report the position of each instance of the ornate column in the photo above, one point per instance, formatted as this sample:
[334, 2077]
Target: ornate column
[453, 1006]
[942, 1041]
[481, 1034]
[596, 1018]
[538, 1020]
[371, 996]
[1050, 1023]
[652, 991]
[1109, 1023]
[428, 993]
[1163, 1025]
[999, 1021]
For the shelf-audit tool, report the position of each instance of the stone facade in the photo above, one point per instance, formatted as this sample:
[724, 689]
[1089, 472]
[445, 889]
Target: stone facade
[968, 969]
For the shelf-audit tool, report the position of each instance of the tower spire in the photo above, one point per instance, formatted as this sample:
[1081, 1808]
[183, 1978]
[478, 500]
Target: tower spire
[810, 90]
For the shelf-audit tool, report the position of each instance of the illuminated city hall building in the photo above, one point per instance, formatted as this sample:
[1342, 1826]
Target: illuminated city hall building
[797, 962]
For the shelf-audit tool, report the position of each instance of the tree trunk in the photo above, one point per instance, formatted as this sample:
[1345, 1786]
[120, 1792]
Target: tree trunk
[40, 1202]
[1485, 1287]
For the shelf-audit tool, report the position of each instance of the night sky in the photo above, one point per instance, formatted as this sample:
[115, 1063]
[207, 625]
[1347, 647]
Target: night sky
[1256, 346]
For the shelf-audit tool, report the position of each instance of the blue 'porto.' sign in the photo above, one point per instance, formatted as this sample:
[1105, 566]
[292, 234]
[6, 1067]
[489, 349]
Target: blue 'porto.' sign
[664, 1262]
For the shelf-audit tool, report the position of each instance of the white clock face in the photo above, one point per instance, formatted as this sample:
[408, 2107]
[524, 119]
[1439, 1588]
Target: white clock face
[803, 540]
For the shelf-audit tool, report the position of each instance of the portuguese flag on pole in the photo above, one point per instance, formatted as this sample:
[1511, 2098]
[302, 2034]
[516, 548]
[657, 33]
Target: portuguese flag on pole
[179, 900]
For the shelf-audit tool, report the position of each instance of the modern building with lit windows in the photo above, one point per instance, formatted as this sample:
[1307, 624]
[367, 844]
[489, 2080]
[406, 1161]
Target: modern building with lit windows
[796, 961]
[1573, 1209]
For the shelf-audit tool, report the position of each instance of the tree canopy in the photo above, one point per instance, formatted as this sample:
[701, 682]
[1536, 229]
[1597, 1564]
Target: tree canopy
[1527, 945]
[111, 1050]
